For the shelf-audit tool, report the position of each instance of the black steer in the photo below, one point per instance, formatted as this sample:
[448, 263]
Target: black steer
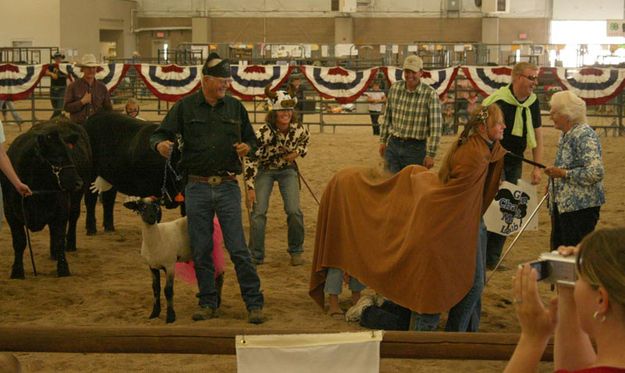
[123, 157]
[42, 158]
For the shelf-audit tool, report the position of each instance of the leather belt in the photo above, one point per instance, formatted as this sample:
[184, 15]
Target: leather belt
[211, 180]
[406, 139]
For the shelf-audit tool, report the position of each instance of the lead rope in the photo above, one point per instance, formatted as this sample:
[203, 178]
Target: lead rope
[177, 177]
[30, 247]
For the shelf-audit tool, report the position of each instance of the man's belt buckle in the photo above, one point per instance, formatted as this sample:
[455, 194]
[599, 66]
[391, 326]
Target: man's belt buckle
[214, 180]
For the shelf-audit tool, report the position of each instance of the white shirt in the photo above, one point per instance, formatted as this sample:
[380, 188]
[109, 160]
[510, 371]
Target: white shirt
[376, 95]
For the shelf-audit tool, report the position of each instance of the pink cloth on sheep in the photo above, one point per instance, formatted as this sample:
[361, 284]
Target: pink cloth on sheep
[186, 270]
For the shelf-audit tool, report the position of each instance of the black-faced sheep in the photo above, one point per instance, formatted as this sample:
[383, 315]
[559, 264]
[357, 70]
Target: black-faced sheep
[163, 245]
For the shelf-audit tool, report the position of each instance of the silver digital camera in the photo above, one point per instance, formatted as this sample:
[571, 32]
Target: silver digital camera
[555, 268]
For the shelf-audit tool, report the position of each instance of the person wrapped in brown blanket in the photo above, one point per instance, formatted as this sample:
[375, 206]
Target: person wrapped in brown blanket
[412, 237]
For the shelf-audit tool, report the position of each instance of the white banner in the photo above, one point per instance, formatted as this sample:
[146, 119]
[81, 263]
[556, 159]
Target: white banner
[310, 353]
[511, 207]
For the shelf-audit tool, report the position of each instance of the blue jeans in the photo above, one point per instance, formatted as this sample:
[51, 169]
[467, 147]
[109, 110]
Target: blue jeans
[288, 183]
[512, 170]
[57, 97]
[203, 201]
[465, 316]
[401, 153]
[425, 322]
[8, 105]
[334, 282]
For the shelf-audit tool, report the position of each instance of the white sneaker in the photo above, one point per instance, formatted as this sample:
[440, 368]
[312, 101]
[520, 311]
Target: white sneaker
[353, 314]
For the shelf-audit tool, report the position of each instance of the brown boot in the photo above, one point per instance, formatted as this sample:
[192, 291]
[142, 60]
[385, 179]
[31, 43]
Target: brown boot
[255, 316]
[205, 313]
[297, 260]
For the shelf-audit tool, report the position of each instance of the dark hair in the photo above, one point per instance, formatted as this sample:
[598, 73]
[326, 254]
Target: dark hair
[601, 261]
[272, 116]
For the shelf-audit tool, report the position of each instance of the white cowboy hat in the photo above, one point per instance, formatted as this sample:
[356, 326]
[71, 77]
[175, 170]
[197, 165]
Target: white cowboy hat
[88, 60]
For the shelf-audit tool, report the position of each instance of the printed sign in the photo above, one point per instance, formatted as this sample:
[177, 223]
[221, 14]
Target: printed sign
[511, 208]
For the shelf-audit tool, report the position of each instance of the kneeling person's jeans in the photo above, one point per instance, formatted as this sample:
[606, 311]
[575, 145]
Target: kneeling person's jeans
[334, 282]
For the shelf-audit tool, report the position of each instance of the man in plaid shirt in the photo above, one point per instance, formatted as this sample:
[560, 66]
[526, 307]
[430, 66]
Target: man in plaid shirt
[412, 123]
[410, 135]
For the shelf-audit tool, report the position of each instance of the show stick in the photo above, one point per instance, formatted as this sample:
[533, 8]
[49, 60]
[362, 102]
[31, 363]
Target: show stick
[539, 165]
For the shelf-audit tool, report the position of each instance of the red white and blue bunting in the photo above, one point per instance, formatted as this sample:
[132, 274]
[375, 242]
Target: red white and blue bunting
[338, 83]
[487, 79]
[18, 81]
[250, 81]
[170, 82]
[596, 86]
[110, 74]
[440, 80]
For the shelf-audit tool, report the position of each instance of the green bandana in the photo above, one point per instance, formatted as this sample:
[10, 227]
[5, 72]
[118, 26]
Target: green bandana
[505, 94]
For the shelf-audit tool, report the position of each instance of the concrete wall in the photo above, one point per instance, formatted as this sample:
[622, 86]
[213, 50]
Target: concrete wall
[35, 21]
[409, 30]
[321, 8]
[82, 20]
[176, 30]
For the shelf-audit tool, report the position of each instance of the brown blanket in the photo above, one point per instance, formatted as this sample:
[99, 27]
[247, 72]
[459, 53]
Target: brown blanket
[410, 238]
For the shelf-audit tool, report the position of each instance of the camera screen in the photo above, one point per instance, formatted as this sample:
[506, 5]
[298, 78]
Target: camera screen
[542, 267]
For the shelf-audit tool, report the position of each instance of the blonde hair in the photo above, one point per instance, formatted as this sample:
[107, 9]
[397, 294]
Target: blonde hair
[522, 66]
[601, 262]
[487, 115]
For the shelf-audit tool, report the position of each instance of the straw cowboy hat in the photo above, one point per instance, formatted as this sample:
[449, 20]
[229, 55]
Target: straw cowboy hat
[88, 60]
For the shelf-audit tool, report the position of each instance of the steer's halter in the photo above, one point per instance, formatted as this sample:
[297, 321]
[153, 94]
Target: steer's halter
[176, 176]
[56, 170]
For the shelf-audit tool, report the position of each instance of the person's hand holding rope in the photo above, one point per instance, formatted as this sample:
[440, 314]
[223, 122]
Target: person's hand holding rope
[23, 189]
[290, 157]
[241, 148]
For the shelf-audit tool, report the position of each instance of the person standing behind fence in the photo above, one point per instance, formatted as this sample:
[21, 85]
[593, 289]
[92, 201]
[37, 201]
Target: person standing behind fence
[296, 91]
[132, 108]
[7, 105]
[86, 95]
[521, 111]
[280, 142]
[58, 83]
[412, 121]
[83, 98]
[376, 99]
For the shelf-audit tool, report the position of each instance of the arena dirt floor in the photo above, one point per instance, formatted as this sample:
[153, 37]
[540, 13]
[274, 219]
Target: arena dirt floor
[111, 286]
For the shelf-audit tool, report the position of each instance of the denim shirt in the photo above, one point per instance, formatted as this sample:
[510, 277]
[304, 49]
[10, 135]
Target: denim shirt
[579, 152]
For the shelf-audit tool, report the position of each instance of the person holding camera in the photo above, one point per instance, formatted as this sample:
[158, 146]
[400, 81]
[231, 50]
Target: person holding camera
[592, 310]
[575, 186]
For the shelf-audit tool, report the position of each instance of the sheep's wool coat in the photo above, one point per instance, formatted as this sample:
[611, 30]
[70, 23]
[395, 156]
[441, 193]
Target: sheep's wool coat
[410, 237]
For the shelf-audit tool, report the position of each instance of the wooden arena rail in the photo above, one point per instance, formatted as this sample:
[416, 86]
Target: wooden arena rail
[221, 341]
